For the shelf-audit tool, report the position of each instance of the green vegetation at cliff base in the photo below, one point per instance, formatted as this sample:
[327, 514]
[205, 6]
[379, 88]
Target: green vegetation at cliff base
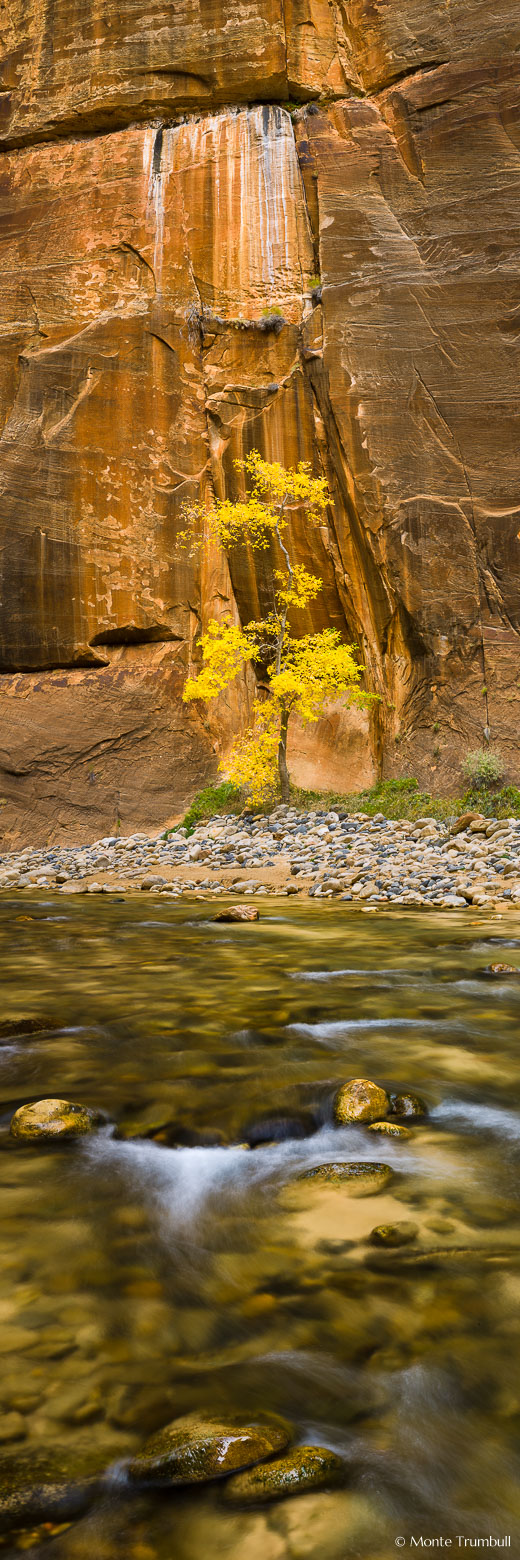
[395, 798]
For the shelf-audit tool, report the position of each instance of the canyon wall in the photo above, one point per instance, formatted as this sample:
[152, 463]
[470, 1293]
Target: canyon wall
[290, 227]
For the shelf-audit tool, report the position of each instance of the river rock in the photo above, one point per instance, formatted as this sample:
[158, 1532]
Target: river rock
[238, 913]
[360, 1100]
[390, 1129]
[193, 1450]
[464, 821]
[499, 970]
[52, 1119]
[49, 1486]
[393, 1234]
[304, 1468]
[279, 1129]
[29, 1025]
[362, 1179]
[407, 1104]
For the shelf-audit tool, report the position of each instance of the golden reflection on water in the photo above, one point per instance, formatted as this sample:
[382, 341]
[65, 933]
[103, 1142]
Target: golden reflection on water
[139, 1281]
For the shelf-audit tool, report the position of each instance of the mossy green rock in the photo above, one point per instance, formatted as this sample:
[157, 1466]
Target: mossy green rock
[45, 1486]
[193, 1450]
[360, 1177]
[360, 1100]
[305, 1468]
[48, 1119]
[393, 1234]
[407, 1105]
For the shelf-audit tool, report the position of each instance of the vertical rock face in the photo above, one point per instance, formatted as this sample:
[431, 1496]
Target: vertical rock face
[182, 281]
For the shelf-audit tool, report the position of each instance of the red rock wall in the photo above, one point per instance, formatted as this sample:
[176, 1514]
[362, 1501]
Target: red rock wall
[158, 318]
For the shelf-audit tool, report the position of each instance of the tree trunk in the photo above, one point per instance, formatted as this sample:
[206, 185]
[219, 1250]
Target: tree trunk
[282, 759]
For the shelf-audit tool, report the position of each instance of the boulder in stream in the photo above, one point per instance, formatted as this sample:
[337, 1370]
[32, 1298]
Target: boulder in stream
[407, 1104]
[279, 1129]
[497, 971]
[49, 1119]
[30, 1024]
[304, 1468]
[362, 1179]
[390, 1235]
[238, 913]
[360, 1100]
[45, 1486]
[193, 1450]
[389, 1129]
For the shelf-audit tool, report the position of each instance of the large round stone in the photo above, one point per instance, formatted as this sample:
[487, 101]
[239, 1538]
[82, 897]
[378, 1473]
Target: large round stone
[52, 1119]
[305, 1468]
[361, 1178]
[360, 1100]
[193, 1450]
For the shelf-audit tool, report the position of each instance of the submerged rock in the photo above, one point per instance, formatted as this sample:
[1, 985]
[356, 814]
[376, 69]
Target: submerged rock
[305, 1468]
[498, 970]
[393, 1234]
[25, 1026]
[390, 1129]
[407, 1105]
[362, 1178]
[52, 1119]
[279, 1129]
[193, 1450]
[238, 913]
[45, 1486]
[360, 1100]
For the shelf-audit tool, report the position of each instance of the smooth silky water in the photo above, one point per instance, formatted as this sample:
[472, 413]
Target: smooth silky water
[141, 1281]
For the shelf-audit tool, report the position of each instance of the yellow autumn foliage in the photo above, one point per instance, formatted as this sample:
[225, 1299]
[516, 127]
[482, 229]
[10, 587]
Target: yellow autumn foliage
[300, 673]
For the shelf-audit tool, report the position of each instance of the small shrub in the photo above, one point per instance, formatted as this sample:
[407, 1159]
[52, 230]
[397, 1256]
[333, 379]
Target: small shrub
[225, 798]
[314, 282]
[395, 798]
[483, 768]
[267, 314]
[493, 804]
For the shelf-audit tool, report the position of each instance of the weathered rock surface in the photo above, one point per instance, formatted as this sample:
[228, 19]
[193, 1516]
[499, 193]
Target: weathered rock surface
[193, 1450]
[360, 1100]
[143, 265]
[389, 1129]
[49, 1119]
[359, 1178]
[305, 1468]
[48, 1486]
[407, 1104]
[391, 1235]
[32, 1024]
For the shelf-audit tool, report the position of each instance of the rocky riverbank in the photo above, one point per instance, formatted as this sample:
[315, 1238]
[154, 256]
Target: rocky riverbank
[370, 861]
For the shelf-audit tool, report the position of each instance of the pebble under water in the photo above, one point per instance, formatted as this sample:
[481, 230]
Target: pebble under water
[173, 1261]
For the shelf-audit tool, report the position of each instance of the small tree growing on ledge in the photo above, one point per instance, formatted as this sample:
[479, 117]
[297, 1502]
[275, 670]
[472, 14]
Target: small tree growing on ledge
[300, 674]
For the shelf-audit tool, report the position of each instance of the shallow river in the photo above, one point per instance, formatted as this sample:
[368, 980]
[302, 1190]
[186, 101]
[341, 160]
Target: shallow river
[139, 1280]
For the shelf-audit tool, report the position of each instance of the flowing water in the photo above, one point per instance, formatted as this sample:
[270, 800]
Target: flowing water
[140, 1280]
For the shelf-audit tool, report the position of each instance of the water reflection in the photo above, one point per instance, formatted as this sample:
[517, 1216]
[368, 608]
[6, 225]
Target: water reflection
[140, 1280]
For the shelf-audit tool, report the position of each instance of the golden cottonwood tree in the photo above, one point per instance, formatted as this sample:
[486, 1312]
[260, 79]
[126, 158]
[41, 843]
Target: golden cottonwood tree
[300, 673]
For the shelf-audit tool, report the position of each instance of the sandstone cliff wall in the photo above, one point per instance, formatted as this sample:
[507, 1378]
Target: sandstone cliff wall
[174, 182]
